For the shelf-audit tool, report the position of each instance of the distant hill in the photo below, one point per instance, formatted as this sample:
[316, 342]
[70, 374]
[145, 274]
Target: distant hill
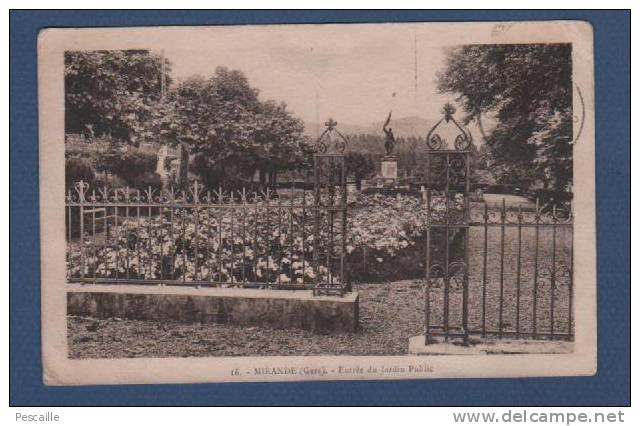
[402, 127]
[310, 129]
[407, 126]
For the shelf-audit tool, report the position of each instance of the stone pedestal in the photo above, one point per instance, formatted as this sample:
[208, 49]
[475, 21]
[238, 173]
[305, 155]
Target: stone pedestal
[389, 168]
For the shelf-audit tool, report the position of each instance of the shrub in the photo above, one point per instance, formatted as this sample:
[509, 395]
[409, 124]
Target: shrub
[371, 265]
[234, 172]
[392, 192]
[386, 240]
[112, 181]
[387, 236]
[133, 164]
[360, 166]
[129, 164]
[146, 180]
[307, 186]
[78, 169]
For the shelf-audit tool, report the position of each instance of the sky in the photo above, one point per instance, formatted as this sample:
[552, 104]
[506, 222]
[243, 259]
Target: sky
[355, 74]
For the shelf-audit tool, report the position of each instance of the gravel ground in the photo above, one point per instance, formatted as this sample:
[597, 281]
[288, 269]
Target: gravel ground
[390, 313]
[515, 316]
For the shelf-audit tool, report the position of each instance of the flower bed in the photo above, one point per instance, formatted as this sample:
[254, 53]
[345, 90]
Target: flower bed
[200, 244]
[388, 236]
[257, 243]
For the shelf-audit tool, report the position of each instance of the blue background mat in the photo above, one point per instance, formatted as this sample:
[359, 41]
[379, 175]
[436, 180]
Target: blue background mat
[611, 386]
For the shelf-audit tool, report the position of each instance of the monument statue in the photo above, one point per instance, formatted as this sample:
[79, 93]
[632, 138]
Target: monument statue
[389, 164]
[390, 140]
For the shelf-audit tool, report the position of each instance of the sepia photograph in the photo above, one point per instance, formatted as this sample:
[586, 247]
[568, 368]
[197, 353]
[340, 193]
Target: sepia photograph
[365, 200]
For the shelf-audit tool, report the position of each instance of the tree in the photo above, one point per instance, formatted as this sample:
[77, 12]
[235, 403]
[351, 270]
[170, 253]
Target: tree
[360, 165]
[229, 131]
[111, 92]
[529, 90]
[213, 119]
[280, 142]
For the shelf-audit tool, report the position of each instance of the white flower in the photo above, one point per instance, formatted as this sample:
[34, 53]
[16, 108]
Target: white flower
[284, 279]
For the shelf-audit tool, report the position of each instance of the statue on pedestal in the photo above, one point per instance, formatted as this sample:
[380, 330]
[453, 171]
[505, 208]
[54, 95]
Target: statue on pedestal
[390, 140]
[389, 164]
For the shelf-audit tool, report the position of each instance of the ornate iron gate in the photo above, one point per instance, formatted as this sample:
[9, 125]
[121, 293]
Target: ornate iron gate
[492, 270]
[447, 204]
[330, 210]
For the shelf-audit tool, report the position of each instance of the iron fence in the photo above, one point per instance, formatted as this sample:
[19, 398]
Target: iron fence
[294, 238]
[508, 272]
[505, 271]
[238, 238]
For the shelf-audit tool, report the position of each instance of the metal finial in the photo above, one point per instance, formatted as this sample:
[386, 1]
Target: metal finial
[448, 110]
[325, 142]
[331, 123]
[462, 140]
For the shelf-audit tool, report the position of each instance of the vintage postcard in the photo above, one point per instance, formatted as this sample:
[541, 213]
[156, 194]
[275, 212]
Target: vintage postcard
[317, 202]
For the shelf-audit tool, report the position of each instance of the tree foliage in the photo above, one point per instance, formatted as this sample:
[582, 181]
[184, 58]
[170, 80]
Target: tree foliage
[220, 121]
[529, 90]
[229, 130]
[360, 166]
[111, 93]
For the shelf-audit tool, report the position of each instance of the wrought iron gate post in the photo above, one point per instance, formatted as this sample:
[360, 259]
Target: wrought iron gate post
[447, 185]
[467, 220]
[427, 303]
[329, 172]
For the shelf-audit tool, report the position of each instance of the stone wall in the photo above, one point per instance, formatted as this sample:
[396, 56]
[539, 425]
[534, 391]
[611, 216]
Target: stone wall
[269, 308]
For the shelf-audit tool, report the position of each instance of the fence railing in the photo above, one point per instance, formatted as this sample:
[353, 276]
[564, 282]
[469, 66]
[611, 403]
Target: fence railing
[239, 238]
[518, 273]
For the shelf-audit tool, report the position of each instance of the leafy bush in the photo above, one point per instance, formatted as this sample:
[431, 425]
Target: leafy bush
[360, 166]
[113, 181]
[131, 164]
[234, 172]
[367, 265]
[392, 192]
[146, 180]
[385, 241]
[78, 169]
[408, 262]
[387, 236]
[127, 168]
[201, 245]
